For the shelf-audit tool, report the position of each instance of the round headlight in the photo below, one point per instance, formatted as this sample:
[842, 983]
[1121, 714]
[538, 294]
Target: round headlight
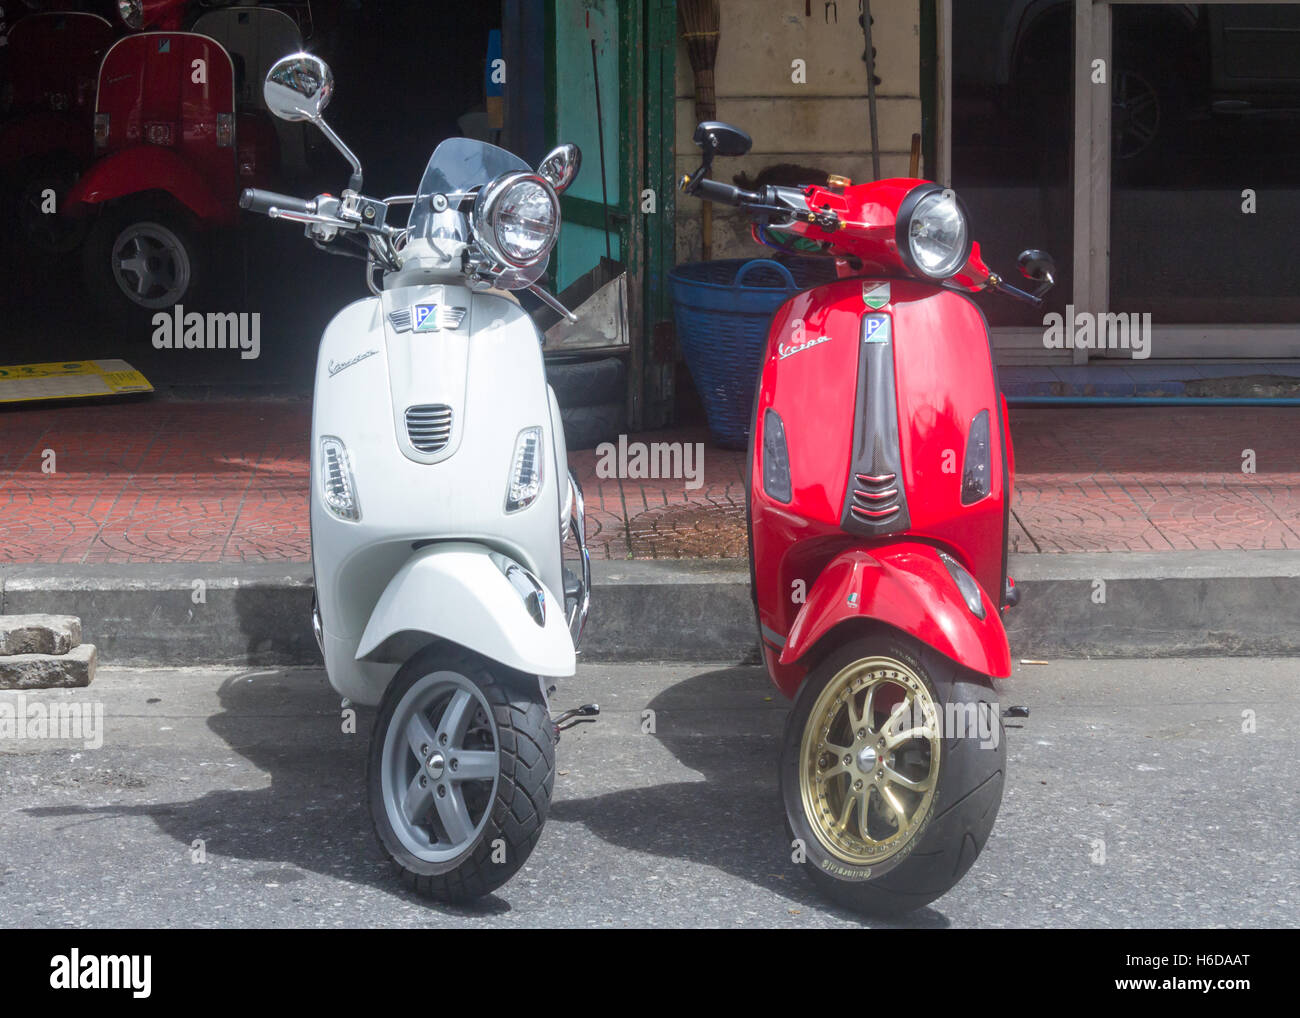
[525, 221]
[933, 233]
[517, 219]
[131, 12]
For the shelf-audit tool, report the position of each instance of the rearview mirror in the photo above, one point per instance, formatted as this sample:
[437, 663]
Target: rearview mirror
[560, 166]
[1037, 265]
[717, 138]
[298, 87]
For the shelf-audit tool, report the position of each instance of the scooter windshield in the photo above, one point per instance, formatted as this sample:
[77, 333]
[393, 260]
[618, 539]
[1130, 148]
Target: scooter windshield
[459, 164]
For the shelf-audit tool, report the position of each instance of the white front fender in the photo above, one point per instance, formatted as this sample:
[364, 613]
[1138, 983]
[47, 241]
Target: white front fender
[459, 592]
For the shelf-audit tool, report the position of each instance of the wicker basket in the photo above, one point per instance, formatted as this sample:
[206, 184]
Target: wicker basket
[723, 311]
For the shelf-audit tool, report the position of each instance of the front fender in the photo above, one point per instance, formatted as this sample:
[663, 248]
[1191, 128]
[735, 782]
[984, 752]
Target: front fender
[455, 591]
[907, 586]
[150, 168]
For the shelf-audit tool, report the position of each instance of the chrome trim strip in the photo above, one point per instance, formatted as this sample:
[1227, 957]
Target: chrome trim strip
[772, 636]
[875, 514]
[578, 525]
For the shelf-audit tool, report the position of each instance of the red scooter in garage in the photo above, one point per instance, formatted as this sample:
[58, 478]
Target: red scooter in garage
[174, 150]
[879, 486]
[54, 59]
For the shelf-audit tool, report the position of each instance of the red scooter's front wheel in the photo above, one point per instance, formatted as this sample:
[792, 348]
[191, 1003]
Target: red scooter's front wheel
[891, 772]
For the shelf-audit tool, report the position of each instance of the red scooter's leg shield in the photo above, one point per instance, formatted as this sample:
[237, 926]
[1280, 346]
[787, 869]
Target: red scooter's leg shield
[905, 585]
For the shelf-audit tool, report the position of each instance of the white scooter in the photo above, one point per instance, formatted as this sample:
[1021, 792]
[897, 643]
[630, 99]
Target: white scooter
[441, 502]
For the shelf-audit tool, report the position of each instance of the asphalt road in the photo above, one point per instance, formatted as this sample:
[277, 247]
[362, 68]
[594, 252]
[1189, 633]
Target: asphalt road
[682, 827]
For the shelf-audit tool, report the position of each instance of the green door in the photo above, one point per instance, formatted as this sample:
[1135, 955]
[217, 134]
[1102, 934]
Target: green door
[593, 214]
[626, 213]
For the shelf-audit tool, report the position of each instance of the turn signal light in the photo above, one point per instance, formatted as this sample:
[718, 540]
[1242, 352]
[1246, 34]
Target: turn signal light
[525, 482]
[776, 458]
[976, 482]
[338, 488]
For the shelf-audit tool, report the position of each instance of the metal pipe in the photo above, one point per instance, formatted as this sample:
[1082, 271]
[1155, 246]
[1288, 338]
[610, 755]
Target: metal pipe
[600, 142]
[870, 57]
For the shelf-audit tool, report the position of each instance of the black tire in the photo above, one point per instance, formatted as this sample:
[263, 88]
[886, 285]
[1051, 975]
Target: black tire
[965, 802]
[37, 234]
[586, 427]
[103, 239]
[588, 382]
[522, 798]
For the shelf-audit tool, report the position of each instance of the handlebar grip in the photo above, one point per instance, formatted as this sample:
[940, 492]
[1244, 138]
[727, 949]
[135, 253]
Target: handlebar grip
[256, 200]
[716, 190]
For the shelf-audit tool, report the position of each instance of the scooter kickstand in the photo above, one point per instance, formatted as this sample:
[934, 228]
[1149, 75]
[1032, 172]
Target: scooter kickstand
[586, 714]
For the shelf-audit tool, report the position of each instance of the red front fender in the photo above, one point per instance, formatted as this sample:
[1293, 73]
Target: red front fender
[907, 586]
[151, 168]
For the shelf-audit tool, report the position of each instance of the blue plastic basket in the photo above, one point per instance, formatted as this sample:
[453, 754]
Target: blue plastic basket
[723, 311]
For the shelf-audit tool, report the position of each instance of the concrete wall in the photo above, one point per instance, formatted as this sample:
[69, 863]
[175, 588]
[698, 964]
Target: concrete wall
[822, 123]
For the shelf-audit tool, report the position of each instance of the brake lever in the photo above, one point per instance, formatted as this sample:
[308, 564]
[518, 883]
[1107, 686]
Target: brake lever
[275, 212]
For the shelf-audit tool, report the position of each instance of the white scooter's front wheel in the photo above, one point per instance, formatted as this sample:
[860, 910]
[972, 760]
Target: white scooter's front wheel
[460, 774]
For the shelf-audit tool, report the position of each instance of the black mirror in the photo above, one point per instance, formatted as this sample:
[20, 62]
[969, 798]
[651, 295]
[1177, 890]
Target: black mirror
[1037, 265]
[717, 138]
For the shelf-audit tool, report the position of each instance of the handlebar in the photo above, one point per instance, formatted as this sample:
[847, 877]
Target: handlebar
[1000, 285]
[727, 194]
[256, 200]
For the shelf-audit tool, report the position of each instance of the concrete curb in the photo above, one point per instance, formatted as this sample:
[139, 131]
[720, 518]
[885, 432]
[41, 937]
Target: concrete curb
[1155, 605]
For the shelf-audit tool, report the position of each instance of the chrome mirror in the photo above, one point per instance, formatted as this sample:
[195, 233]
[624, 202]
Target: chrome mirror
[560, 166]
[298, 87]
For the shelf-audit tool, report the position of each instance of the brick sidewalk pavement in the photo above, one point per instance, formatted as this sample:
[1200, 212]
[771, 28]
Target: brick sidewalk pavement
[175, 481]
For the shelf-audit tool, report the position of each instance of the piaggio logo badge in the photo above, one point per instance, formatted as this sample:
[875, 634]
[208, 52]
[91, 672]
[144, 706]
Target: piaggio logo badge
[875, 295]
[425, 317]
[875, 328]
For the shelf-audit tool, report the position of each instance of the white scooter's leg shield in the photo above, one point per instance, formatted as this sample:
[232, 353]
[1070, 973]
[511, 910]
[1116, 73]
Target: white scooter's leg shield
[476, 598]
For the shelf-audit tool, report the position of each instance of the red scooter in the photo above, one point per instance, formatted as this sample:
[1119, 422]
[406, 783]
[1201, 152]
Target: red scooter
[880, 477]
[174, 148]
[54, 59]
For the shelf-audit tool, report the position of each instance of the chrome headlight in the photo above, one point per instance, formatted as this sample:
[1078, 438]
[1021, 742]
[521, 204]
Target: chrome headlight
[517, 219]
[933, 239]
[131, 12]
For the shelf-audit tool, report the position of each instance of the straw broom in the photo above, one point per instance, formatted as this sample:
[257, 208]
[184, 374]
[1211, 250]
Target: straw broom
[699, 24]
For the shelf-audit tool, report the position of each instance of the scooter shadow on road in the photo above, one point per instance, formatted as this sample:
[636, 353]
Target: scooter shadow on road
[311, 816]
[733, 819]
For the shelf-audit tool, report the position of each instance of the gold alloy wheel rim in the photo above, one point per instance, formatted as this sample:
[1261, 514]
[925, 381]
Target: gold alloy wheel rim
[868, 766]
